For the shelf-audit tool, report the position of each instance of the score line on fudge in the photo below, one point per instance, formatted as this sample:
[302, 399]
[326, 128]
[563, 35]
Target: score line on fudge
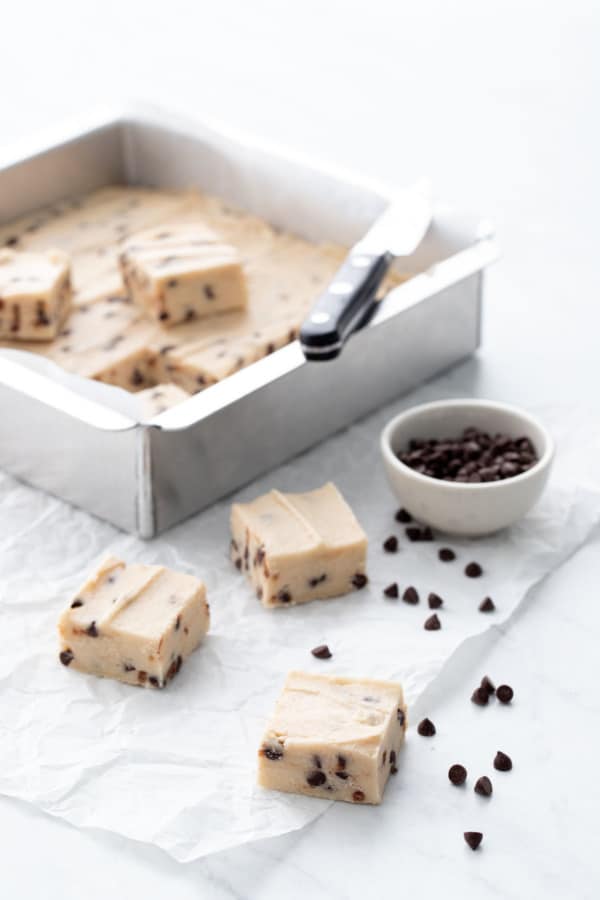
[331, 737]
[299, 547]
[135, 623]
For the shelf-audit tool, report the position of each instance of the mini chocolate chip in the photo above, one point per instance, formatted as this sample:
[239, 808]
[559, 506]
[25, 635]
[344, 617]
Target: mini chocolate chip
[487, 685]
[359, 580]
[504, 693]
[483, 786]
[209, 292]
[165, 348]
[411, 596]
[403, 516]
[341, 761]
[172, 283]
[502, 762]
[391, 591]
[432, 623]
[11, 241]
[142, 676]
[390, 545]
[487, 605]
[177, 623]
[480, 696]
[393, 770]
[427, 534]
[272, 753]
[314, 582]
[434, 601]
[446, 554]
[163, 316]
[316, 778]
[238, 564]
[66, 657]
[473, 570]
[92, 630]
[426, 728]
[413, 533]
[76, 603]
[317, 761]
[358, 796]
[153, 681]
[342, 775]
[284, 596]
[392, 757]
[260, 555]
[321, 652]
[401, 716]
[473, 839]
[128, 667]
[457, 774]
[136, 377]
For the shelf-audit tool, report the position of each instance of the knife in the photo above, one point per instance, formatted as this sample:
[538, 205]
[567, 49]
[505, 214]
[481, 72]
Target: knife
[344, 305]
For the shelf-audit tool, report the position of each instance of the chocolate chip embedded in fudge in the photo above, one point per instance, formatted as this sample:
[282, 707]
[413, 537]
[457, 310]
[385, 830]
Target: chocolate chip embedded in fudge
[179, 273]
[299, 547]
[35, 294]
[333, 737]
[135, 623]
[157, 399]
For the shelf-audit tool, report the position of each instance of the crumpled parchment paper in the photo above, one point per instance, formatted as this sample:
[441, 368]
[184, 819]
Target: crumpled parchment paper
[176, 768]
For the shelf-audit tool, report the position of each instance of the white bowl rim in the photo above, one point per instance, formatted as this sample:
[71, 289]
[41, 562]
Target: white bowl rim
[542, 463]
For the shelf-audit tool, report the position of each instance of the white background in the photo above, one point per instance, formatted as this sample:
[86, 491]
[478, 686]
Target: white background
[498, 102]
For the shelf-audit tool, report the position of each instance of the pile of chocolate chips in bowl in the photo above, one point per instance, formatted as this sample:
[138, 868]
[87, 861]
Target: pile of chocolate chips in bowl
[475, 457]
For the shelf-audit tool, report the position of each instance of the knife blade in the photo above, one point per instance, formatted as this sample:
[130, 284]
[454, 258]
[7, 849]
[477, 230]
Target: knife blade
[345, 302]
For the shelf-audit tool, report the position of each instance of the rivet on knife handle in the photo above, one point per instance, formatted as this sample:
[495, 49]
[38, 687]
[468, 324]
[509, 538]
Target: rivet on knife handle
[342, 305]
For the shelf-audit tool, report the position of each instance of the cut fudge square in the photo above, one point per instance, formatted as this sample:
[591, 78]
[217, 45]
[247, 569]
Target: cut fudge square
[332, 737]
[178, 273]
[299, 547]
[135, 623]
[35, 294]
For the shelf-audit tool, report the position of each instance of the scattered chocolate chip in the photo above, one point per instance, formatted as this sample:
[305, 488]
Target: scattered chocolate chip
[410, 595]
[432, 623]
[473, 839]
[427, 534]
[11, 241]
[163, 316]
[321, 652]
[487, 685]
[209, 292]
[457, 774]
[473, 570]
[400, 715]
[341, 761]
[136, 377]
[284, 596]
[153, 681]
[403, 516]
[142, 676]
[391, 591]
[358, 796]
[392, 758]
[177, 623]
[434, 601]
[272, 753]
[480, 696]
[483, 786]
[317, 761]
[92, 630]
[314, 582]
[238, 563]
[359, 580]
[66, 657]
[446, 554]
[487, 605]
[502, 762]
[316, 778]
[426, 728]
[413, 533]
[342, 775]
[128, 667]
[390, 545]
[76, 603]
[504, 693]
[260, 555]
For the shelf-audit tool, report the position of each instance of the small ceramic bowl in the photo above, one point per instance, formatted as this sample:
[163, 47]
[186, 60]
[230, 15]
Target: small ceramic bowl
[457, 507]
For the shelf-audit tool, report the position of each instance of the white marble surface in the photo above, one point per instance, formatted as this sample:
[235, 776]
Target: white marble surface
[497, 103]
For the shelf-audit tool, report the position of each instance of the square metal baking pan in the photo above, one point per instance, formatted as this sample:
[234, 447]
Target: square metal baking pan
[78, 440]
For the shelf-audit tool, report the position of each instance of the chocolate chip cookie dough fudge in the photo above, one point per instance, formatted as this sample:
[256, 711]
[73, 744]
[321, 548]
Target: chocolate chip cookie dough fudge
[178, 273]
[35, 294]
[135, 623]
[299, 547]
[332, 737]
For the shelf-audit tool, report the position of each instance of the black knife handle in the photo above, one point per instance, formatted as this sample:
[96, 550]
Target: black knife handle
[339, 309]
